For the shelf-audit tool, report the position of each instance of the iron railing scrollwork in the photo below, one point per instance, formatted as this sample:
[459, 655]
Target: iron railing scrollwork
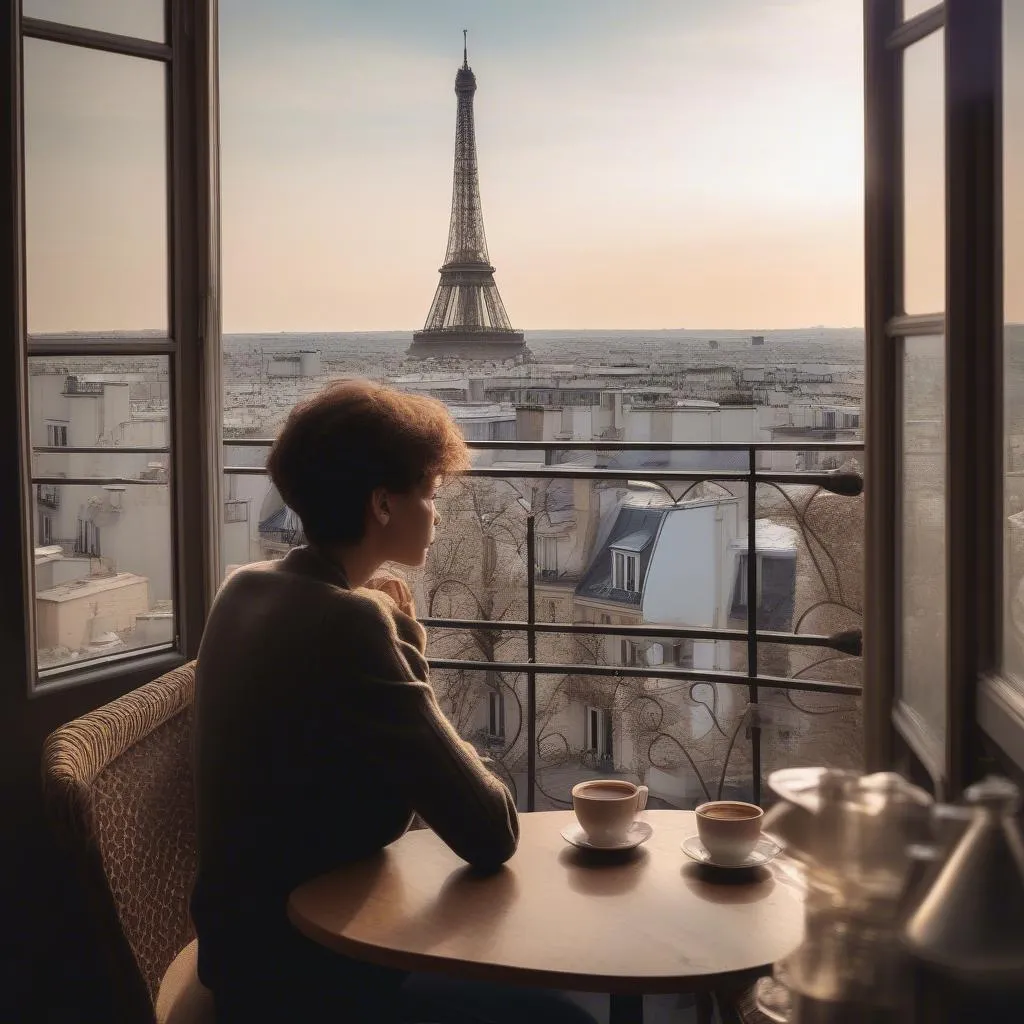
[800, 500]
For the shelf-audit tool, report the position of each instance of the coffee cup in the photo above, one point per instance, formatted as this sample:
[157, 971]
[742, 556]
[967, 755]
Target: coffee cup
[729, 829]
[605, 808]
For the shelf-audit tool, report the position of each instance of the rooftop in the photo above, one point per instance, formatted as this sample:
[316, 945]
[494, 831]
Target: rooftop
[770, 536]
[90, 586]
[48, 553]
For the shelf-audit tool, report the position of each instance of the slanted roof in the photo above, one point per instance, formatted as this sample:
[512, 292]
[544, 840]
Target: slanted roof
[559, 502]
[635, 526]
[634, 542]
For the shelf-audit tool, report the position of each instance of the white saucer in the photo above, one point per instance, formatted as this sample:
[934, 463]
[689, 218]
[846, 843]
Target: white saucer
[639, 832]
[766, 850]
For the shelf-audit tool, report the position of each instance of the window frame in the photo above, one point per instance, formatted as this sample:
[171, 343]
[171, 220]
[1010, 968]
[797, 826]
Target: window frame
[972, 325]
[629, 651]
[598, 728]
[630, 569]
[548, 550]
[495, 713]
[1000, 698]
[192, 344]
[740, 604]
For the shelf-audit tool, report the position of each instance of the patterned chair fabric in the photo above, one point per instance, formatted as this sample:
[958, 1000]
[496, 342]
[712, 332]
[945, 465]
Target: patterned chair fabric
[118, 787]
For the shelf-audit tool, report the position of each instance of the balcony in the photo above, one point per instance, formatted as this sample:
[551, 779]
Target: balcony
[770, 683]
[74, 386]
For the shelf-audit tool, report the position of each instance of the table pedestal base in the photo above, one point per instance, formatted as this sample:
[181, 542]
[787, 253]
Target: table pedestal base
[626, 1010]
[630, 1009]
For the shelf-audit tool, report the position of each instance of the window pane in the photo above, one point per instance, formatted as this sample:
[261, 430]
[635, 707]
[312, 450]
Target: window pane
[596, 385]
[924, 189]
[1013, 297]
[103, 578]
[923, 534]
[911, 8]
[143, 19]
[95, 191]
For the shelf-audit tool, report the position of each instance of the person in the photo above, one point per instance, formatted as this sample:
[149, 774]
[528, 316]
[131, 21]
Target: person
[317, 734]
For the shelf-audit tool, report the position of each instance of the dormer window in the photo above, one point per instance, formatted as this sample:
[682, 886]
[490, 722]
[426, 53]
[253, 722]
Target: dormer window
[626, 551]
[625, 571]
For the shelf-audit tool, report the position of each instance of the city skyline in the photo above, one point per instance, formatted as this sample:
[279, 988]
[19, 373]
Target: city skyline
[642, 167]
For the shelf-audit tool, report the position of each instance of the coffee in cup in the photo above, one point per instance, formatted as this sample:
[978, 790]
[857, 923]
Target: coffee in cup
[605, 808]
[729, 829]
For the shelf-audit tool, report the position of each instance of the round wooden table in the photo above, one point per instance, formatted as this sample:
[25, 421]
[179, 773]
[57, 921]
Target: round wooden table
[648, 921]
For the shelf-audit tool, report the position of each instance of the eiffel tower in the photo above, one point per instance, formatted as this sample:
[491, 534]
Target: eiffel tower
[467, 317]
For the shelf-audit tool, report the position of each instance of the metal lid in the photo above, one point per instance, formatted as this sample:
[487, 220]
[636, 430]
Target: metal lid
[970, 923]
[995, 792]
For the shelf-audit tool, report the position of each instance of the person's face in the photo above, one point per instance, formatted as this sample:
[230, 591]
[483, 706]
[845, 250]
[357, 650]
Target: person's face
[410, 526]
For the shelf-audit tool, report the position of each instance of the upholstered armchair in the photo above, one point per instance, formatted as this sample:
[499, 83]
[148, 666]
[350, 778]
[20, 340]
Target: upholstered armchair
[118, 789]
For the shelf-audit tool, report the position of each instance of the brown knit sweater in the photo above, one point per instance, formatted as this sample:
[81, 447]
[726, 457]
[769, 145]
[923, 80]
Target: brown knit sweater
[317, 737]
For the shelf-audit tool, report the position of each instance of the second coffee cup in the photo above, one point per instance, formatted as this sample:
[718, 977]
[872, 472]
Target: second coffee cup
[729, 829]
[605, 808]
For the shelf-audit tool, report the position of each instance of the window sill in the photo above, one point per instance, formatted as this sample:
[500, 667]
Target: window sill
[1001, 715]
[924, 744]
[133, 669]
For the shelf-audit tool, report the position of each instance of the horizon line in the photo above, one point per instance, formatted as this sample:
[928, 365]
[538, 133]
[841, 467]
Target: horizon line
[576, 330]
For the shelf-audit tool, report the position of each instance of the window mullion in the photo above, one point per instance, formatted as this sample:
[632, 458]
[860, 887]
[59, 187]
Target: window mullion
[974, 366]
[917, 28]
[883, 252]
[196, 496]
[95, 39]
[17, 639]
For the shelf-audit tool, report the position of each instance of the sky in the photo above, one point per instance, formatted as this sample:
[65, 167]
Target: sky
[643, 163]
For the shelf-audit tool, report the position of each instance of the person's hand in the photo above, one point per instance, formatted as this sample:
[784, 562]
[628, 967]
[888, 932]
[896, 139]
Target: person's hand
[397, 589]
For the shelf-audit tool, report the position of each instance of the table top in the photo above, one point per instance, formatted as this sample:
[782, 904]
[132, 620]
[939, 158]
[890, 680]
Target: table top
[650, 920]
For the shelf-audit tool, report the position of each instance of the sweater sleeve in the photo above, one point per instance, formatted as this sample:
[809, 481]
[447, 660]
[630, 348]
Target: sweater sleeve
[416, 752]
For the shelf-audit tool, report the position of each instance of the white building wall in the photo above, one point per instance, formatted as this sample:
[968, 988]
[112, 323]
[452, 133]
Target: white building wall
[115, 408]
[142, 433]
[138, 538]
[255, 490]
[638, 425]
[684, 580]
[582, 423]
[55, 571]
[85, 417]
[235, 547]
[45, 403]
[65, 621]
[738, 424]
[309, 364]
[693, 425]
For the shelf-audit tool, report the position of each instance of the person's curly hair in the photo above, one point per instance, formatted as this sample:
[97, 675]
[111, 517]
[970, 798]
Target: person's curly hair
[352, 437]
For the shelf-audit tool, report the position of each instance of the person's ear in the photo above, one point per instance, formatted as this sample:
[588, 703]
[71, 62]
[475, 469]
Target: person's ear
[380, 507]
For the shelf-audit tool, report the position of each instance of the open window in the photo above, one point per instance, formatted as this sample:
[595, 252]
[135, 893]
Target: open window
[943, 290]
[599, 732]
[495, 714]
[113, 335]
[625, 571]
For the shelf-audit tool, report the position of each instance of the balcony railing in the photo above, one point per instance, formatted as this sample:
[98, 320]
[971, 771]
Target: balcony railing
[74, 386]
[505, 645]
